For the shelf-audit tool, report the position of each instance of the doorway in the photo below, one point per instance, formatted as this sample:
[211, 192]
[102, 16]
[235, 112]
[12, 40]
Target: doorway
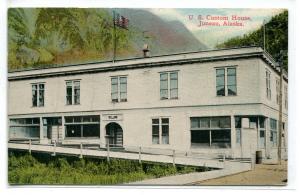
[53, 128]
[114, 134]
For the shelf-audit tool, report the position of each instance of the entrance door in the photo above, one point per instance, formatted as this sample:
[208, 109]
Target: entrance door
[54, 128]
[114, 134]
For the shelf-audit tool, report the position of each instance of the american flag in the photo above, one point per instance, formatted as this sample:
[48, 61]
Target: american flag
[121, 21]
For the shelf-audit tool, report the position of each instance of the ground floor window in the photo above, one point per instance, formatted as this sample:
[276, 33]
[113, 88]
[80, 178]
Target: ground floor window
[160, 130]
[82, 126]
[262, 132]
[213, 132]
[238, 131]
[28, 128]
[273, 132]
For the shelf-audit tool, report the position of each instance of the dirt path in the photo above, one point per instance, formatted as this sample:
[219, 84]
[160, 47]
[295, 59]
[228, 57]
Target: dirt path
[266, 174]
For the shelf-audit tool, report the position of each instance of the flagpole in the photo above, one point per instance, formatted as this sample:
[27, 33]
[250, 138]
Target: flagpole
[114, 37]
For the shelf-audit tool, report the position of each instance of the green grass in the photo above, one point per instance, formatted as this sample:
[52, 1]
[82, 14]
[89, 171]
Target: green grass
[44, 169]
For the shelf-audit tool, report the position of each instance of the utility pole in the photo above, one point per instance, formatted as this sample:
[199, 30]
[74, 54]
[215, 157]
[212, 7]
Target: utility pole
[264, 35]
[280, 107]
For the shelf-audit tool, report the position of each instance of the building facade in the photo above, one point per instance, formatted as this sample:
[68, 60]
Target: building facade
[216, 101]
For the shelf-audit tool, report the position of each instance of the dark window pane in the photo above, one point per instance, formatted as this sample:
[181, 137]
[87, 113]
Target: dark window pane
[77, 119]
[155, 134]
[73, 130]
[220, 72]
[155, 121]
[164, 94]
[34, 95]
[174, 93]
[200, 138]
[238, 122]
[204, 122]
[165, 134]
[91, 130]
[165, 121]
[221, 91]
[163, 76]
[231, 90]
[220, 138]
[224, 122]
[69, 119]
[220, 81]
[195, 123]
[231, 80]
[231, 71]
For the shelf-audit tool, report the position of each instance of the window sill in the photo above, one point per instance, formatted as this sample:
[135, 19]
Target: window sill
[118, 102]
[72, 104]
[169, 99]
[226, 95]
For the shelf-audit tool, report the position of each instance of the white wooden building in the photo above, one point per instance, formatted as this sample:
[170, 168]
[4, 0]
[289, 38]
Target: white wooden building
[214, 101]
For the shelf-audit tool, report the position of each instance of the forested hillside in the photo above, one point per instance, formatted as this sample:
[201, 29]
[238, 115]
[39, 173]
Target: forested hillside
[276, 38]
[43, 37]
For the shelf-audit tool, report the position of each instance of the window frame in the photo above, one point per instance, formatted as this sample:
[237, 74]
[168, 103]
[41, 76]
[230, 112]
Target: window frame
[82, 123]
[273, 131]
[160, 125]
[268, 85]
[226, 76]
[118, 91]
[169, 88]
[74, 88]
[38, 96]
[212, 130]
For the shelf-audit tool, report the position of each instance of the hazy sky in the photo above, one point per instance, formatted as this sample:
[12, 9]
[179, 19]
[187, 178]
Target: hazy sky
[211, 35]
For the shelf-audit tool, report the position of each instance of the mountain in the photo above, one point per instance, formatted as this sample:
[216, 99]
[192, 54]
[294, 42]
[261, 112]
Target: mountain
[45, 37]
[164, 37]
[276, 31]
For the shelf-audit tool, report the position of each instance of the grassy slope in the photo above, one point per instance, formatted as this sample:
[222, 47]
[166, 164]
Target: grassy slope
[44, 169]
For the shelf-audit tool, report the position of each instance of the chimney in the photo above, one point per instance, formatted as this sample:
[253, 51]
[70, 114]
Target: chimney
[146, 51]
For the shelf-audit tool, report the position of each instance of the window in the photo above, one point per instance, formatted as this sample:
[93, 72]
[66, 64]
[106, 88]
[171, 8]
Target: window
[169, 85]
[262, 132]
[160, 130]
[38, 94]
[214, 132]
[226, 87]
[82, 126]
[273, 132]
[73, 92]
[119, 89]
[286, 97]
[277, 91]
[268, 84]
[24, 128]
[238, 132]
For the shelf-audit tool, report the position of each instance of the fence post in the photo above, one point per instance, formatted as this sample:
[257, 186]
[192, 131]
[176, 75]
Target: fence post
[107, 148]
[80, 150]
[140, 153]
[54, 148]
[29, 146]
[174, 158]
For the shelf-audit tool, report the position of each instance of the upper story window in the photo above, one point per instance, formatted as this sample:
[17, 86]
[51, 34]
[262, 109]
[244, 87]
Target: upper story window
[277, 91]
[169, 85]
[226, 81]
[38, 94]
[119, 89]
[73, 92]
[160, 130]
[268, 84]
[286, 97]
